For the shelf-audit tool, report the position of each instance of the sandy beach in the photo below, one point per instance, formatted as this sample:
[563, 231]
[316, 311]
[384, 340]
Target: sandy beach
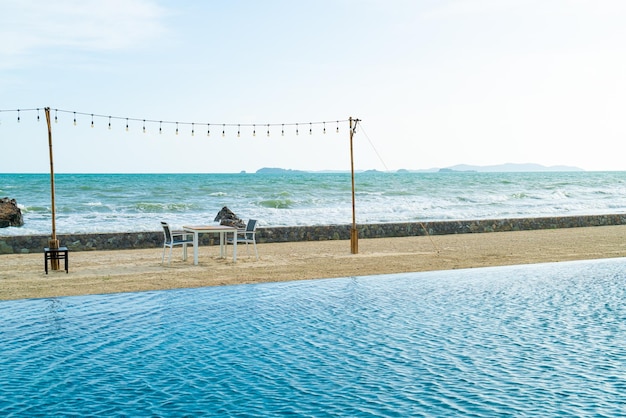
[97, 272]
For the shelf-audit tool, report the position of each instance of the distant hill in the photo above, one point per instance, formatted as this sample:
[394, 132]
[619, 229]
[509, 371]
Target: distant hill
[500, 168]
[272, 170]
[511, 167]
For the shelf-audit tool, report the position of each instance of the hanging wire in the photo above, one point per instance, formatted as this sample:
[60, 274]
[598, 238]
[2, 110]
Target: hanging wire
[145, 122]
[371, 144]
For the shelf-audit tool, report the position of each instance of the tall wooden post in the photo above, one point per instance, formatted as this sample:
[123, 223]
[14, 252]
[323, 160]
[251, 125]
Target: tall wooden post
[354, 233]
[54, 242]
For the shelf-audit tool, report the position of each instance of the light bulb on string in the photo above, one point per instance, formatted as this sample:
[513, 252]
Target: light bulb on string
[208, 129]
[56, 120]
[160, 128]
[92, 120]
[37, 114]
[282, 132]
[126, 124]
[337, 126]
[238, 131]
[109, 123]
[74, 118]
[223, 130]
[144, 126]
[176, 128]
[193, 130]
[324, 128]
[18, 116]
[253, 130]
[268, 129]
[297, 131]
[310, 128]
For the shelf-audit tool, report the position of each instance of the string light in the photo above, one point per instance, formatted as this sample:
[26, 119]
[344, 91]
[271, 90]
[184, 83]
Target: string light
[146, 122]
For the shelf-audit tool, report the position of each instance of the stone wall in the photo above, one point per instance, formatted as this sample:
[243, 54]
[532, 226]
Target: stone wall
[134, 240]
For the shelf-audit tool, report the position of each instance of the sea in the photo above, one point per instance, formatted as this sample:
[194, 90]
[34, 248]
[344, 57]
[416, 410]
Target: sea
[99, 203]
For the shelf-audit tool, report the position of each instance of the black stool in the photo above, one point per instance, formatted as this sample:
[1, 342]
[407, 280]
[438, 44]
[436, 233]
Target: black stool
[55, 254]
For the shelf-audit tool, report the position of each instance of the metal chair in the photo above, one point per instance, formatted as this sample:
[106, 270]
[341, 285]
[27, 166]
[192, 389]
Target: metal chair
[247, 236]
[173, 238]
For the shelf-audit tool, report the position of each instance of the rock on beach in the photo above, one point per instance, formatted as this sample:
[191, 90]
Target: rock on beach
[10, 214]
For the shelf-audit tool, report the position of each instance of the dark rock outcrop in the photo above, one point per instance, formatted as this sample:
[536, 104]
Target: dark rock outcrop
[227, 217]
[10, 214]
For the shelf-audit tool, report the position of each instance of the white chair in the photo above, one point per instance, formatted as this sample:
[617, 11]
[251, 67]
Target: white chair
[247, 236]
[173, 238]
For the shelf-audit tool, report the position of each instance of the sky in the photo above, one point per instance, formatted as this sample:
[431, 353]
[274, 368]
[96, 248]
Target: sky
[434, 83]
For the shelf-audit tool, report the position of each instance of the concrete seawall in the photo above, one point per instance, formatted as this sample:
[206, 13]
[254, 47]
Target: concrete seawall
[136, 240]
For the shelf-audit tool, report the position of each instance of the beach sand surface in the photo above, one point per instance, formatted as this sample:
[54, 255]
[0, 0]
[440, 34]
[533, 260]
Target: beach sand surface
[99, 272]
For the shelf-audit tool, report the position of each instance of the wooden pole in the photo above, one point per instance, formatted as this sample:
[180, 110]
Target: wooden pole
[354, 233]
[54, 242]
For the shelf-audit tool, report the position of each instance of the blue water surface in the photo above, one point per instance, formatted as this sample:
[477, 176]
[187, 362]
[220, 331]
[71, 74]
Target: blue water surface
[101, 203]
[540, 340]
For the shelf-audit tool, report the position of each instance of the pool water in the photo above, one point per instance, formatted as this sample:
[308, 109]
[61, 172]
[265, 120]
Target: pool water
[535, 340]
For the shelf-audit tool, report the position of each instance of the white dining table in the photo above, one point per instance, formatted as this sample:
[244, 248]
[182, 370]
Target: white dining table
[212, 229]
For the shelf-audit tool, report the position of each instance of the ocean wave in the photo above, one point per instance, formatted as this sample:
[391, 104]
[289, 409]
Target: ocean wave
[276, 203]
[151, 207]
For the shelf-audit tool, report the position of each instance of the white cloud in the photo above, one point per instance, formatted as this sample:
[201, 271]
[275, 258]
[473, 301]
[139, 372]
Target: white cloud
[28, 27]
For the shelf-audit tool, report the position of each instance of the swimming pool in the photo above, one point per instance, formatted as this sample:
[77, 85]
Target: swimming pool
[547, 339]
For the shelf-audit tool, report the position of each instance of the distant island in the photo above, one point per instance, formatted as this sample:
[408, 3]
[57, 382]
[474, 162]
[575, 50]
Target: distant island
[510, 167]
[460, 168]
[273, 170]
